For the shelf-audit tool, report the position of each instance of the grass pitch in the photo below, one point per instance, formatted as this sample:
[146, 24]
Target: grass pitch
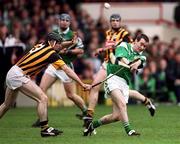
[164, 128]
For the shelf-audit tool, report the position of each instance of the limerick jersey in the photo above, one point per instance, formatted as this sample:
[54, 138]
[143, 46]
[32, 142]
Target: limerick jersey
[115, 38]
[68, 35]
[124, 50]
[39, 57]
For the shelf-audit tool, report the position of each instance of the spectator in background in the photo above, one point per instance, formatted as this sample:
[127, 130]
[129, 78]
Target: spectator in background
[153, 69]
[156, 40]
[177, 15]
[3, 35]
[88, 72]
[162, 49]
[153, 53]
[161, 82]
[171, 66]
[137, 32]
[93, 58]
[175, 44]
[79, 67]
[147, 83]
[177, 77]
[11, 50]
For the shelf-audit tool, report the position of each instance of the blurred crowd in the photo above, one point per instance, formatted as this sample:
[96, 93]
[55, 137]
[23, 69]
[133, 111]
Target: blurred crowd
[23, 23]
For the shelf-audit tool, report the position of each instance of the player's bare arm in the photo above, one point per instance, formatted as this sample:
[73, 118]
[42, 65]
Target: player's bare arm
[73, 75]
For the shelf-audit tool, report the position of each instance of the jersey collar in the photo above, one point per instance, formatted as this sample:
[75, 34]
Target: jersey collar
[66, 31]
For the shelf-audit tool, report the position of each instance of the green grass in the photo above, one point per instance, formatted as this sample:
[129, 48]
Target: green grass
[164, 128]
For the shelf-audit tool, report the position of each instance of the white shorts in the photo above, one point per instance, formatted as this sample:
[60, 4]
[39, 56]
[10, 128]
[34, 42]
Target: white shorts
[104, 65]
[15, 78]
[116, 82]
[58, 73]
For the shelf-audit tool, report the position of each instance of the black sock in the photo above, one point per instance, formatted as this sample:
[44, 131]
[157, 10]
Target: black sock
[44, 125]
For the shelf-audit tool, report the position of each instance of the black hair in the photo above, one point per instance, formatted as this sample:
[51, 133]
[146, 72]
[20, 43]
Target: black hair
[142, 36]
[54, 36]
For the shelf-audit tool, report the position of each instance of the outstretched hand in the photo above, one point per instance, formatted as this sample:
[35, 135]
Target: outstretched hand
[87, 87]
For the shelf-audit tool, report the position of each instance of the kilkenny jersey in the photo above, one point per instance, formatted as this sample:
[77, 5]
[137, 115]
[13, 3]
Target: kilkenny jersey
[115, 38]
[38, 58]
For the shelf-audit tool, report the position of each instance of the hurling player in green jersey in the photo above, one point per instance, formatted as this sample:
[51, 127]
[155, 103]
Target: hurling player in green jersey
[114, 36]
[127, 59]
[73, 48]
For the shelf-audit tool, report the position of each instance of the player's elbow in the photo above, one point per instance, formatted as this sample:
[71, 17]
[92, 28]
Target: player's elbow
[64, 68]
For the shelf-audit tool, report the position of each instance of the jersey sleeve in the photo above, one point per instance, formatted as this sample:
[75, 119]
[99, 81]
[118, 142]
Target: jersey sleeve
[124, 37]
[107, 33]
[143, 61]
[58, 64]
[127, 38]
[56, 60]
[79, 43]
[121, 50]
[143, 58]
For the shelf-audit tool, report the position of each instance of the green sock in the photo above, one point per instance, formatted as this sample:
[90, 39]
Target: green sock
[127, 127]
[97, 123]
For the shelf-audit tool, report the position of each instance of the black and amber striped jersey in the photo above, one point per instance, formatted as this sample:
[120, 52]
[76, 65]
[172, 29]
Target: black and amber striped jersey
[38, 58]
[118, 36]
[114, 38]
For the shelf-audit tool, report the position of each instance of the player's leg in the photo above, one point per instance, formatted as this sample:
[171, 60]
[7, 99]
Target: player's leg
[146, 101]
[109, 118]
[10, 97]
[119, 113]
[93, 97]
[118, 99]
[33, 91]
[70, 92]
[46, 81]
[69, 89]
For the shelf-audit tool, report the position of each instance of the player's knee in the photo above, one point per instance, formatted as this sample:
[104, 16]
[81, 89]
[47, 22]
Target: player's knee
[136, 92]
[70, 95]
[43, 98]
[6, 105]
[116, 117]
[43, 88]
[123, 105]
[95, 98]
[94, 93]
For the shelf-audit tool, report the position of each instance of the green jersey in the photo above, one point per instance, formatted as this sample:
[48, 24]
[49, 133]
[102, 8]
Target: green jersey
[68, 35]
[124, 50]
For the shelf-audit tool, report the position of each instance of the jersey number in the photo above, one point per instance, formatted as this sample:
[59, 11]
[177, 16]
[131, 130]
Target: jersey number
[36, 48]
